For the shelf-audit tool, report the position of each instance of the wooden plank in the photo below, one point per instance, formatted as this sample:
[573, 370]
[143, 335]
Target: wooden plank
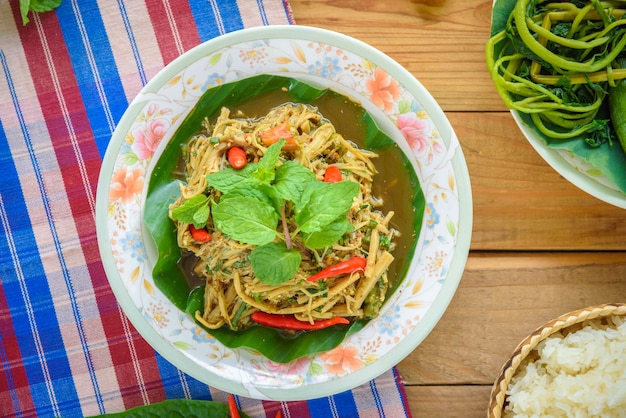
[448, 401]
[520, 202]
[501, 299]
[441, 43]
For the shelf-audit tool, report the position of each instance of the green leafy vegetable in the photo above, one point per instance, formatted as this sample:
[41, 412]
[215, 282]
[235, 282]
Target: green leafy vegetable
[38, 6]
[321, 203]
[274, 264]
[558, 77]
[194, 211]
[246, 219]
[330, 234]
[291, 178]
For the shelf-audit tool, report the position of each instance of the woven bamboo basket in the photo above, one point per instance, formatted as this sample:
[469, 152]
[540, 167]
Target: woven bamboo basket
[498, 391]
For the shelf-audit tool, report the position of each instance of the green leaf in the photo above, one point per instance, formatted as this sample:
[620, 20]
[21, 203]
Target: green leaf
[263, 192]
[38, 6]
[193, 211]
[266, 166]
[322, 203]
[329, 235]
[291, 178]
[246, 219]
[274, 264]
[229, 179]
[192, 408]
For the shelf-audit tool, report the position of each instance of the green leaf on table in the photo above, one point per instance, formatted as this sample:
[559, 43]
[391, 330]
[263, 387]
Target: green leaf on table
[246, 219]
[274, 264]
[38, 6]
[177, 408]
[321, 203]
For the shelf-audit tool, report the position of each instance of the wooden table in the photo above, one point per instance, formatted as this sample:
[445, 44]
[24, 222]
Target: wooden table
[540, 246]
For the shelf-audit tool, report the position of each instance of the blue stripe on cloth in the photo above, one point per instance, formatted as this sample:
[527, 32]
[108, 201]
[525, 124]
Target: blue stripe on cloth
[216, 17]
[377, 400]
[178, 385]
[94, 67]
[344, 403]
[262, 12]
[133, 43]
[26, 286]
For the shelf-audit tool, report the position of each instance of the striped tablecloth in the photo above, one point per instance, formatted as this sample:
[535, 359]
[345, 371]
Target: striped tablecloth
[66, 78]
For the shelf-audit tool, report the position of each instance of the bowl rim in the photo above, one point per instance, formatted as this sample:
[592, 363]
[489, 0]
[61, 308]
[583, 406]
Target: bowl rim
[453, 275]
[497, 397]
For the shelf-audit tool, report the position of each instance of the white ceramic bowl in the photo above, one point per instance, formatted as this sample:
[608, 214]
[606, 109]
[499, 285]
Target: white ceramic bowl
[408, 114]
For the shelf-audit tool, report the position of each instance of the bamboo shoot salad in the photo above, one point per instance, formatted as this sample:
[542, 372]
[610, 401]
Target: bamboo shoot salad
[279, 216]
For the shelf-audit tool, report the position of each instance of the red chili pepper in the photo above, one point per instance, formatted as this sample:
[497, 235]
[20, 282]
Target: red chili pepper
[290, 321]
[356, 263]
[237, 157]
[199, 234]
[278, 132]
[232, 407]
[332, 174]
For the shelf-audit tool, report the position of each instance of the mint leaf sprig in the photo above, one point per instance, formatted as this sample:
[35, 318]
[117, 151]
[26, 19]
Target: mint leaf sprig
[248, 204]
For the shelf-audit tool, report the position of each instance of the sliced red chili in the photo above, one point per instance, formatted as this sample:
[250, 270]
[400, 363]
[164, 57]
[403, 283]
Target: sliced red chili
[332, 174]
[237, 157]
[292, 323]
[199, 234]
[356, 263]
[232, 407]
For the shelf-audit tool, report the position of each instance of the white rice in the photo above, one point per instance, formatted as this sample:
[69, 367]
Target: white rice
[581, 374]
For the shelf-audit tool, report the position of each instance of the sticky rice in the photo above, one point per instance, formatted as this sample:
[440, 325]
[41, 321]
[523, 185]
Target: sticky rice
[579, 373]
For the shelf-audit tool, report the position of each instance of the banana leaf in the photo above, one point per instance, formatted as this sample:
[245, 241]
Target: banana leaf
[163, 189]
[608, 158]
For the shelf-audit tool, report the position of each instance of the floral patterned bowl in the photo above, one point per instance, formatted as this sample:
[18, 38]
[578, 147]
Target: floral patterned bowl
[403, 109]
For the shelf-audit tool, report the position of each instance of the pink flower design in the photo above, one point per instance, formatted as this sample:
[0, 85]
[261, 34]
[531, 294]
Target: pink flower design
[125, 184]
[412, 129]
[342, 360]
[384, 90]
[297, 367]
[148, 139]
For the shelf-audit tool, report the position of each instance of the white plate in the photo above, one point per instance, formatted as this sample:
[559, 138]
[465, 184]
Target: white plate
[323, 58]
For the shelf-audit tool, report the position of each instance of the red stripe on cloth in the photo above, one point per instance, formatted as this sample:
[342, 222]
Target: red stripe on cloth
[174, 28]
[14, 385]
[78, 158]
[298, 409]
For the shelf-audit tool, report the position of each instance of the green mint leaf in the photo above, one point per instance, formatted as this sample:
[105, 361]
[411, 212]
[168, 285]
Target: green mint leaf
[263, 192]
[246, 219]
[291, 178]
[266, 166]
[329, 235]
[193, 211]
[322, 203]
[274, 264]
[228, 179]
